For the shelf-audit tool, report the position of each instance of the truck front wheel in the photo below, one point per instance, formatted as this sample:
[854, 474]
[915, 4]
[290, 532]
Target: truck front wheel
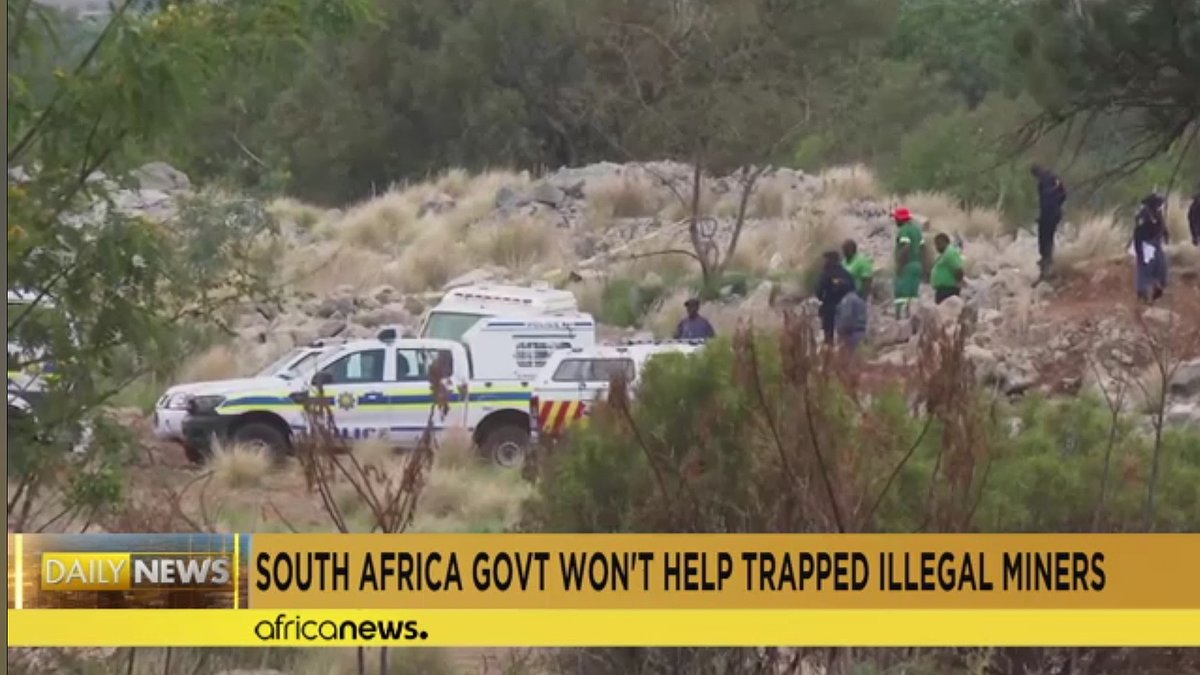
[263, 435]
[507, 445]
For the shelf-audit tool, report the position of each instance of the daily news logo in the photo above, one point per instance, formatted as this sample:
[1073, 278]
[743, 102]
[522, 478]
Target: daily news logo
[135, 571]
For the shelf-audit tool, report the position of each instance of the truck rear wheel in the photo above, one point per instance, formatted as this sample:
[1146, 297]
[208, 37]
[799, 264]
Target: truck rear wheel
[262, 435]
[507, 445]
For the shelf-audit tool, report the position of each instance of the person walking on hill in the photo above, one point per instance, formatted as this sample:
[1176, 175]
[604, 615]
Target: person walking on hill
[1052, 194]
[910, 265]
[694, 326]
[1150, 237]
[947, 275]
[834, 284]
[1194, 218]
[860, 266]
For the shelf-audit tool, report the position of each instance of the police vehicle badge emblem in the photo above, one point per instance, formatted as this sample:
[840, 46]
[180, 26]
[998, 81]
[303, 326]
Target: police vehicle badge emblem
[345, 400]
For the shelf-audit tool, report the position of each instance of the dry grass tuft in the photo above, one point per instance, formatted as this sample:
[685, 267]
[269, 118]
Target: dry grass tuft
[769, 201]
[383, 223]
[456, 449]
[945, 215]
[432, 260]
[292, 213]
[217, 363]
[623, 197]
[1096, 238]
[239, 466]
[515, 245]
[849, 182]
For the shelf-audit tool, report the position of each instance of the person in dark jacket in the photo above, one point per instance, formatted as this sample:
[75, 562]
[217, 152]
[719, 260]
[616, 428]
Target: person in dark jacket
[1052, 194]
[694, 326]
[1194, 218]
[1150, 237]
[834, 284]
[852, 314]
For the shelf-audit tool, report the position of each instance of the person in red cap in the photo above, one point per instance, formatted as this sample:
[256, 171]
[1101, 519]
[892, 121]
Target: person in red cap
[909, 264]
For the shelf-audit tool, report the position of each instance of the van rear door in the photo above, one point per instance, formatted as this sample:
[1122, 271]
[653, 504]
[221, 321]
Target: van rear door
[577, 381]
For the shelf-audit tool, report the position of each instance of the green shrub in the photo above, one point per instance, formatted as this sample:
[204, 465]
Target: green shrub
[624, 302]
[701, 449]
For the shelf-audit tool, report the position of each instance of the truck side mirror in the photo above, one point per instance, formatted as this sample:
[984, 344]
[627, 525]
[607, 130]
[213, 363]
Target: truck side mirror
[322, 378]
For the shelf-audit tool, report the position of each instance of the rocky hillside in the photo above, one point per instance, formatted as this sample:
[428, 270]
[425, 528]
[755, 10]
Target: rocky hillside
[612, 233]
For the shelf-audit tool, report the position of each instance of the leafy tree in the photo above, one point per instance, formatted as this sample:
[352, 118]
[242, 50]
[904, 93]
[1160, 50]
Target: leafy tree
[969, 41]
[1135, 61]
[116, 294]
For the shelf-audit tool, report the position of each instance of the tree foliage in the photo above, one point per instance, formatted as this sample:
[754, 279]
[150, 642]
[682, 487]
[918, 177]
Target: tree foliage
[1138, 60]
[115, 293]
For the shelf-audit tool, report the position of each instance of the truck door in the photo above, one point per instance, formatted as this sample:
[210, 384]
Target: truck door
[412, 395]
[357, 392]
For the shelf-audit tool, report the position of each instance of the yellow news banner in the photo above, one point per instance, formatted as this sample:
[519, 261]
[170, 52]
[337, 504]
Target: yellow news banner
[726, 572]
[596, 628]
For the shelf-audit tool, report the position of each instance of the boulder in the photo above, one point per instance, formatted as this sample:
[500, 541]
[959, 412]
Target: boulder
[475, 276]
[393, 314]
[760, 299]
[384, 294]
[548, 194]
[509, 198]
[331, 328]
[1186, 381]
[335, 305]
[162, 177]
[1184, 415]
[949, 310]
[1161, 316]
[439, 203]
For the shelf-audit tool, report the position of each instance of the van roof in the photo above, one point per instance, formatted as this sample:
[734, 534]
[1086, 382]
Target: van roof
[508, 299]
[635, 350]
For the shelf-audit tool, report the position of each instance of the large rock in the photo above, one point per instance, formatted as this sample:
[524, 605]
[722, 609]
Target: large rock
[1161, 316]
[509, 198]
[393, 314]
[1186, 381]
[335, 305]
[548, 194]
[161, 176]
[760, 299]
[1184, 415]
[475, 276]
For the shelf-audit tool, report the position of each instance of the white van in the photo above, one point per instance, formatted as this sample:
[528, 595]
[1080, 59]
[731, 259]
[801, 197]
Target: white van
[462, 308]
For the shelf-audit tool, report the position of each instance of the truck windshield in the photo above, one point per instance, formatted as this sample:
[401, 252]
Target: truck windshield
[449, 325]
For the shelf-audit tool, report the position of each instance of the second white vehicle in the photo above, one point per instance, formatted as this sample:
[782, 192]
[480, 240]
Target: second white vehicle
[573, 380]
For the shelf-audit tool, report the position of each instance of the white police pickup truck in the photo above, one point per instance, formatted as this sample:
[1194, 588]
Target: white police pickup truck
[297, 364]
[380, 388]
[572, 380]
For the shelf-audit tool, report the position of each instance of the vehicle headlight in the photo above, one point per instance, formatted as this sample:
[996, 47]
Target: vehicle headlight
[199, 405]
[176, 402]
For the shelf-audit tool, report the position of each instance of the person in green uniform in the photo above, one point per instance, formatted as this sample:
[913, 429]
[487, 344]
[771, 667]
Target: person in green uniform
[909, 267]
[947, 274]
[860, 266]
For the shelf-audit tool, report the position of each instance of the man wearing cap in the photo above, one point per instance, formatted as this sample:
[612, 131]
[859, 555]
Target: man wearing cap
[909, 264]
[694, 326]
